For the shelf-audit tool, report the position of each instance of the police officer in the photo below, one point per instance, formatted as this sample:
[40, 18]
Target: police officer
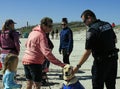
[100, 41]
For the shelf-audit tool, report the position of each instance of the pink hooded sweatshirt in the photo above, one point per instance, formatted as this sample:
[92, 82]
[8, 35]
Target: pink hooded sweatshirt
[37, 49]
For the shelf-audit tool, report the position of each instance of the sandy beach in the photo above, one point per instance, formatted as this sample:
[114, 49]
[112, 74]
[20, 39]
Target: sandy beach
[84, 73]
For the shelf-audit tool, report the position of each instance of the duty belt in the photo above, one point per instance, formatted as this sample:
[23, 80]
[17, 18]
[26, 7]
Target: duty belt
[106, 56]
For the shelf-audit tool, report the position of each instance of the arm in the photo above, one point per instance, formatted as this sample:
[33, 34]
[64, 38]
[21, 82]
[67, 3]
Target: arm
[115, 37]
[16, 41]
[11, 81]
[82, 60]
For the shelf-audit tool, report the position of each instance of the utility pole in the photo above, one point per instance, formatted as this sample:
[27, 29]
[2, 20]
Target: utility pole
[27, 24]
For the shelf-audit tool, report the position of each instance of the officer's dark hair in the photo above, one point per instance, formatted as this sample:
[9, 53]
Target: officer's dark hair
[65, 20]
[87, 13]
[46, 21]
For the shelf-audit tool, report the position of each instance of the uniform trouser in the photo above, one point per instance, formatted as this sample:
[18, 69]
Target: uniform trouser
[104, 71]
[65, 56]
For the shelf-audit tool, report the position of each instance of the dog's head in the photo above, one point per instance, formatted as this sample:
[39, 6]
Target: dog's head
[67, 72]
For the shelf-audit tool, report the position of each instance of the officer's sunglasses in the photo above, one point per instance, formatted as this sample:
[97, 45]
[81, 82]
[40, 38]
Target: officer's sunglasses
[84, 21]
[50, 26]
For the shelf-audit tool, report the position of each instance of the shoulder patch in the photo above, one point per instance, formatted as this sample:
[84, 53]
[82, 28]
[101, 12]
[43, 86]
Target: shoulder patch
[88, 35]
[105, 27]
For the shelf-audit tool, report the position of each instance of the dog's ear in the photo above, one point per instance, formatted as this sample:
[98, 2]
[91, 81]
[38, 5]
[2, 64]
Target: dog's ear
[66, 66]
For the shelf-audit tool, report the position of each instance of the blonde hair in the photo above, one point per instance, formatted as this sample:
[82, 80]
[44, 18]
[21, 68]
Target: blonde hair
[4, 27]
[9, 60]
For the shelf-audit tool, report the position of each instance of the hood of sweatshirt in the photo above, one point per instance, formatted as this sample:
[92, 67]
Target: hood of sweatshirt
[37, 28]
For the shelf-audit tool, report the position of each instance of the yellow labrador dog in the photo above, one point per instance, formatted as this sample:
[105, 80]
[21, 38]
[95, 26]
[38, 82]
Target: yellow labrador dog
[70, 81]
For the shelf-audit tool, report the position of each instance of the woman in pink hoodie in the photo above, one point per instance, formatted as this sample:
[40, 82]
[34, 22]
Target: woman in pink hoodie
[37, 50]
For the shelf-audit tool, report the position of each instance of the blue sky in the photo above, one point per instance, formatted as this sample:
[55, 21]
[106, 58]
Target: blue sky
[32, 11]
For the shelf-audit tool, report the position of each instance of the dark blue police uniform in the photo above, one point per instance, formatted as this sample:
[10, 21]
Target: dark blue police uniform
[100, 38]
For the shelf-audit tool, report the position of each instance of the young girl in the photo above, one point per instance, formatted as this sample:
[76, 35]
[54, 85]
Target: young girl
[10, 66]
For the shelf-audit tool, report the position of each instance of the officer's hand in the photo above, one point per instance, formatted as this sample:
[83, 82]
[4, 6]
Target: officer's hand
[75, 69]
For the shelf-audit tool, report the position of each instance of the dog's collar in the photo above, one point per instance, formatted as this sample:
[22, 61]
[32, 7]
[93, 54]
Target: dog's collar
[71, 81]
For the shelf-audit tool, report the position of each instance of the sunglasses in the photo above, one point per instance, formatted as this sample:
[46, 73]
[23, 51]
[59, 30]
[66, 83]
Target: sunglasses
[50, 26]
[84, 21]
[63, 24]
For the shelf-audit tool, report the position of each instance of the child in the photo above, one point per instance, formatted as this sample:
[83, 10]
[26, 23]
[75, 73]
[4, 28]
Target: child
[9, 71]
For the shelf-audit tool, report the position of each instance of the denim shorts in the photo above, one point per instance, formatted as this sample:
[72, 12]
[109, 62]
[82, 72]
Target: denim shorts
[2, 59]
[33, 72]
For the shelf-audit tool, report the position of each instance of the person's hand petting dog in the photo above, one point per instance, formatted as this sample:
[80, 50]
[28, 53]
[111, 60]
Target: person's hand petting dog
[75, 69]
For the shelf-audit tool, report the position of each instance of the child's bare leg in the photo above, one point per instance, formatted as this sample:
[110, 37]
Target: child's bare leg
[37, 85]
[29, 84]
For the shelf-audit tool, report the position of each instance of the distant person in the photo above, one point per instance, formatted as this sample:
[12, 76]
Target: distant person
[9, 72]
[46, 63]
[100, 41]
[9, 40]
[56, 32]
[37, 51]
[113, 24]
[52, 34]
[66, 41]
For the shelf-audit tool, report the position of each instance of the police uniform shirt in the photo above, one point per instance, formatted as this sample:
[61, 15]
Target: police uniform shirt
[100, 37]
